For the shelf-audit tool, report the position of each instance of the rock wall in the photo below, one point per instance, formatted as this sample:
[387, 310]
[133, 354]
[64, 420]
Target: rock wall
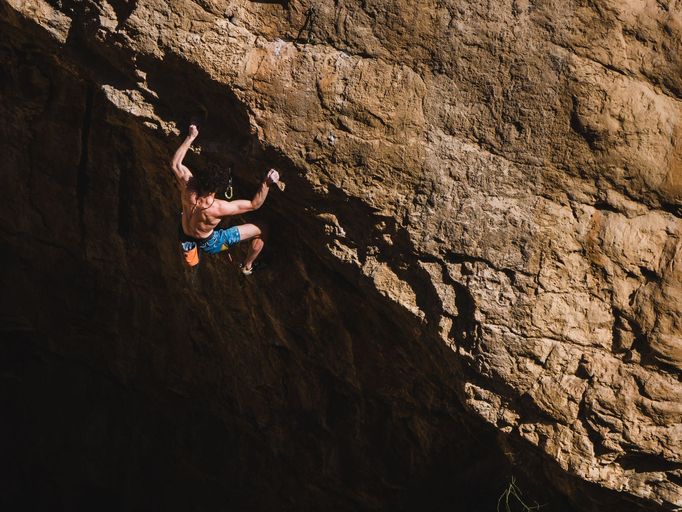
[478, 253]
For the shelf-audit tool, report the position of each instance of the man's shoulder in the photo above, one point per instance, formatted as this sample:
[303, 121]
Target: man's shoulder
[182, 182]
[218, 206]
[185, 192]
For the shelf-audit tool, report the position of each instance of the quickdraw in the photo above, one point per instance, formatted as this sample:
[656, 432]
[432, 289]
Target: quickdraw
[309, 23]
[229, 191]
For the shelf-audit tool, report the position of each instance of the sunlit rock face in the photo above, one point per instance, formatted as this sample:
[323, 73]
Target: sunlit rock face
[475, 270]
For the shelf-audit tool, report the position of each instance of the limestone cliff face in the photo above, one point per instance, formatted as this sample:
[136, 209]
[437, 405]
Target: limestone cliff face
[481, 226]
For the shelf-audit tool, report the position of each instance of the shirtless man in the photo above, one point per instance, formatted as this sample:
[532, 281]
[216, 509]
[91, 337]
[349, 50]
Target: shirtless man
[202, 212]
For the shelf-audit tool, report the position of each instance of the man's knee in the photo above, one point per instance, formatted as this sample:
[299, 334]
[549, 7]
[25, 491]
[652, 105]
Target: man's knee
[253, 230]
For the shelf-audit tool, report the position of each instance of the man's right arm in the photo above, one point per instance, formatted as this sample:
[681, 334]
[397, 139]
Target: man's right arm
[227, 208]
[182, 173]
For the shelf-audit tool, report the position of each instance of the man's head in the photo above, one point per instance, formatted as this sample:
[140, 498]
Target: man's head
[209, 180]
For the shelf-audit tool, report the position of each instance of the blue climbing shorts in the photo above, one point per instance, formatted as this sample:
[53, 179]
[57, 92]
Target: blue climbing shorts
[220, 240]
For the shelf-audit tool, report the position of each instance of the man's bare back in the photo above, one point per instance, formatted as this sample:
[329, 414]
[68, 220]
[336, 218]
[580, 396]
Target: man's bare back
[200, 215]
[202, 211]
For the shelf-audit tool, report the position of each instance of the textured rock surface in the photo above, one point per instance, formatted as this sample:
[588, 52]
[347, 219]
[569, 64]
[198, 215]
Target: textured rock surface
[501, 182]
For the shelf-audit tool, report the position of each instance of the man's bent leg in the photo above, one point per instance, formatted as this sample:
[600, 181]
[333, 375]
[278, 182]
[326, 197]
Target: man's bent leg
[254, 232]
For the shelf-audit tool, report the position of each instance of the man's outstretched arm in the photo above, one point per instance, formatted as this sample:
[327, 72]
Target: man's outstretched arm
[240, 206]
[182, 173]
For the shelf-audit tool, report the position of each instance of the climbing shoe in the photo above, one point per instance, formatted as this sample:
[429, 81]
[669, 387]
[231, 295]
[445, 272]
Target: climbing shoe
[257, 266]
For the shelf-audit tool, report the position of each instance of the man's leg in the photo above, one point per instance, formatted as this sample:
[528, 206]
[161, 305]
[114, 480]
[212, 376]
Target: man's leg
[256, 233]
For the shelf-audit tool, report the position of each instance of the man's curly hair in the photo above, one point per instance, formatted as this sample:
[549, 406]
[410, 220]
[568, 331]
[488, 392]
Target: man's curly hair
[210, 179]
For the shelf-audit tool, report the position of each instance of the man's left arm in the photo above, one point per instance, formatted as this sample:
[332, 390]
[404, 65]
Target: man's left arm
[181, 171]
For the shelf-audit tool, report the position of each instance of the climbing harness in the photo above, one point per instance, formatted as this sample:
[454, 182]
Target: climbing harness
[309, 23]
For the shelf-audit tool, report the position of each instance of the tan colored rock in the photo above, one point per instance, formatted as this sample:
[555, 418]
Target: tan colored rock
[507, 175]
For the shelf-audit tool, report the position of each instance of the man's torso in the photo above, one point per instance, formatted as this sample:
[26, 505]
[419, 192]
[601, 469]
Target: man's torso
[198, 213]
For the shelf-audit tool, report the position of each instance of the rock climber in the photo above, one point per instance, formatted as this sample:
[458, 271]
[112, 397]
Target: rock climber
[202, 211]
